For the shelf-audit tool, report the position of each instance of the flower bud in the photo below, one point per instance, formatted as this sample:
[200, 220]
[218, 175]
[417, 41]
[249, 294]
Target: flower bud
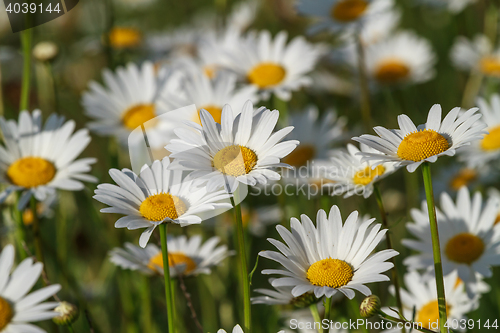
[45, 51]
[370, 306]
[68, 313]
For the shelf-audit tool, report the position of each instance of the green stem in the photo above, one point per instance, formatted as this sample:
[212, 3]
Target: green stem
[388, 240]
[20, 229]
[363, 81]
[36, 232]
[26, 37]
[166, 273]
[315, 314]
[146, 320]
[245, 282]
[328, 307]
[471, 89]
[354, 306]
[70, 328]
[282, 107]
[438, 267]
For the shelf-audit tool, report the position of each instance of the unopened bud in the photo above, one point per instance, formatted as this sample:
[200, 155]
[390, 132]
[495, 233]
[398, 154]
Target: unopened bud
[68, 313]
[370, 306]
[45, 51]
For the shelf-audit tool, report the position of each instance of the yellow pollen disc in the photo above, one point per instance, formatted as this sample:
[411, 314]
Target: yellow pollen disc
[235, 160]
[365, 177]
[491, 141]
[464, 248]
[160, 206]
[429, 314]
[210, 71]
[31, 172]
[174, 259]
[333, 273]
[121, 38]
[348, 10]
[138, 115]
[463, 178]
[490, 66]
[497, 220]
[391, 71]
[215, 111]
[420, 145]
[266, 74]
[300, 155]
[6, 313]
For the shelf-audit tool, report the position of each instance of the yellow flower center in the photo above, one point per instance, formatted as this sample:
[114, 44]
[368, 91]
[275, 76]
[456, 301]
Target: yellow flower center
[174, 259]
[458, 283]
[215, 111]
[120, 38]
[463, 178]
[210, 71]
[300, 155]
[429, 314]
[464, 248]
[6, 313]
[391, 71]
[420, 145]
[333, 273]
[235, 160]
[491, 141]
[138, 115]
[266, 74]
[160, 206]
[31, 172]
[348, 10]
[490, 66]
[365, 177]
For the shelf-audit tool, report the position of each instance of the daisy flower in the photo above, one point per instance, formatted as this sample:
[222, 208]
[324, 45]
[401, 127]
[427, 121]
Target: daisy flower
[210, 95]
[454, 6]
[155, 196]
[185, 256]
[476, 55]
[331, 257]
[316, 135]
[488, 149]
[17, 307]
[238, 329]
[273, 65]
[411, 146]
[129, 99]
[420, 297]
[401, 58]
[470, 240]
[37, 160]
[242, 149]
[354, 176]
[339, 15]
